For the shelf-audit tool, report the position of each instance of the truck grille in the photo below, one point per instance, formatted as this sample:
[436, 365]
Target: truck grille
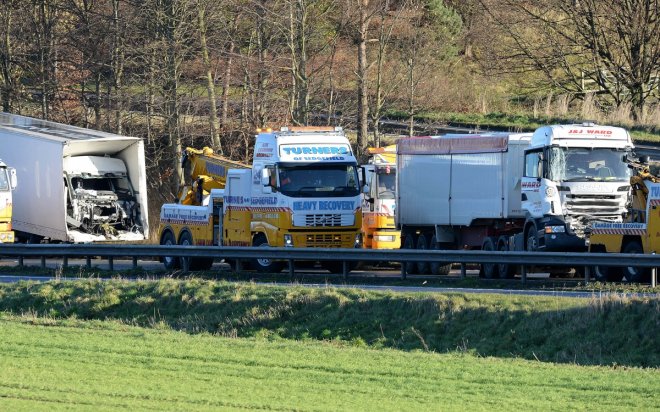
[324, 220]
[595, 205]
[324, 240]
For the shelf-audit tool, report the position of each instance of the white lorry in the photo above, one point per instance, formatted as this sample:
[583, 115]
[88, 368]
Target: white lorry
[539, 191]
[77, 185]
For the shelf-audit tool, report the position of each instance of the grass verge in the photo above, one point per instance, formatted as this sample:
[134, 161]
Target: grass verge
[598, 331]
[92, 365]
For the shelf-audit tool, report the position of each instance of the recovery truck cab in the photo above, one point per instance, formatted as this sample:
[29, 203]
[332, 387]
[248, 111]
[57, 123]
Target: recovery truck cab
[638, 233]
[7, 184]
[379, 200]
[303, 190]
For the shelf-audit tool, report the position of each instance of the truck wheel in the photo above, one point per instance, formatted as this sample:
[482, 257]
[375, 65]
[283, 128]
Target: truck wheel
[634, 273]
[504, 270]
[605, 273]
[437, 268]
[186, 240]
[170, 262]
[490, 270]
[409, 243]
[422, 244]
[532, 243]
[264, 265]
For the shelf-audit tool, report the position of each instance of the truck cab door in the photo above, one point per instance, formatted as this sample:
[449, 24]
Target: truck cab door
[531, 185]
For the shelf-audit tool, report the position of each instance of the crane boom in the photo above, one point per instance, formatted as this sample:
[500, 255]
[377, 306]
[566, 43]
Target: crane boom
[207, 171]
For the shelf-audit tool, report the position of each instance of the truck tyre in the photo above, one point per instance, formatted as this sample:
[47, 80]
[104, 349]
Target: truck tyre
[605, 273]
[422, 244]
[264, 265]
[504, 270]
[634, 273]
[489, 270]
[409, 243]
[170, 262]
[437, 268]
[185, 239]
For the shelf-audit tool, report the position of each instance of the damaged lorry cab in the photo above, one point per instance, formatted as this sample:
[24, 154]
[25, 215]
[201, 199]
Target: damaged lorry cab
[78, 185]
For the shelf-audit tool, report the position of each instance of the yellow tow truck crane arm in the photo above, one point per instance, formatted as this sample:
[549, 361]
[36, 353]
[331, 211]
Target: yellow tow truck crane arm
[640, 191]
[207, 171]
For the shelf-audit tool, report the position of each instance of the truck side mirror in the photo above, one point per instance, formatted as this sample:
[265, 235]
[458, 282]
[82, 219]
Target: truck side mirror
[265, 177]
[13, 180]
[362, 176]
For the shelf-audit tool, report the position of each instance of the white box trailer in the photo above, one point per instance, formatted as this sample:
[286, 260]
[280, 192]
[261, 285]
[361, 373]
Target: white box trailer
[458, 181]
[77, 185]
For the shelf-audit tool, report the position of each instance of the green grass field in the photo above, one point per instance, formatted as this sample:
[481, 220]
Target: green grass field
[198, 344]
[48, 364]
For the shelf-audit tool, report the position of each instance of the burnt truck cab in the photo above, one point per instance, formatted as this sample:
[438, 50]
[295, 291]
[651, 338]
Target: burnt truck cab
[100, 197]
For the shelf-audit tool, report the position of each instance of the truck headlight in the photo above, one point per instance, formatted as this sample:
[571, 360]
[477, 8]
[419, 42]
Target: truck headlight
[384, 238]
[288, 240]
[358, 240]
[555, 229]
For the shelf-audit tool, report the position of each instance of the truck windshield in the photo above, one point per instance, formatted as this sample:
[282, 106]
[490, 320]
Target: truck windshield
[587, 165]
[385, 181]
[119, 185]
[4, 181]
[337, 180]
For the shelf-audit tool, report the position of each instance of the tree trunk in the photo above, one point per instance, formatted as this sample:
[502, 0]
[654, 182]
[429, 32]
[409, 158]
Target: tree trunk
[363, 103]
[6, 60]
[118, 67]
[210, 84]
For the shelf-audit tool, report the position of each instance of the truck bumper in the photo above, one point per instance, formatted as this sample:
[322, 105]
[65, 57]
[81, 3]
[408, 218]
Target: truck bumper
[386, 239]
[325, 239]
[562, 242]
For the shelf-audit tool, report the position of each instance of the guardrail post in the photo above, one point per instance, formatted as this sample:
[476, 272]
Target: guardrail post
[88, 262]
[292, 273]
[185, 264]
[111, 263]
[523, 274]
[403, 271]
[65, 262]
[135, 262]
[587, 274]
[344, 269]
[463, 271]
[654, 277]
[239, 265]
[20, 261]
[43, 262]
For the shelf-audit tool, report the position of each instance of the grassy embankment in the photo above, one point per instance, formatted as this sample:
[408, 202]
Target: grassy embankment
[196, 344]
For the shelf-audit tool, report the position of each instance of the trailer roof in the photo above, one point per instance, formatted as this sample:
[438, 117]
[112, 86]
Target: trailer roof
[72, 137]
[456, 144]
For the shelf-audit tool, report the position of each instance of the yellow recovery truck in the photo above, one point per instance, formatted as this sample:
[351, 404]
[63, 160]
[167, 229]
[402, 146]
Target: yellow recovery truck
[638, 233]
[302, 190]
[379, 200]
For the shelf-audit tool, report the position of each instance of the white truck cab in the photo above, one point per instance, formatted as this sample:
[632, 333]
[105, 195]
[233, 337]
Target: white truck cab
[574, 175]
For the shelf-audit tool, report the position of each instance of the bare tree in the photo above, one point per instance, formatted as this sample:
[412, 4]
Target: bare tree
[210, 81]
[615, 45]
